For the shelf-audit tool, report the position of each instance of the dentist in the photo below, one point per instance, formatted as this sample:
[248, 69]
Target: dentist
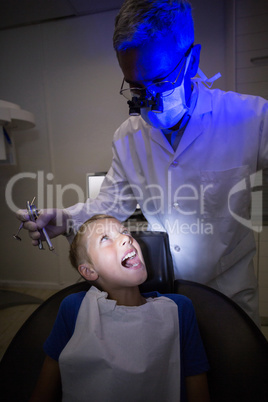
[181, 154]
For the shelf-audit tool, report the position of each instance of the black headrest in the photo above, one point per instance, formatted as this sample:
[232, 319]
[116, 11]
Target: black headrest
[158, 260]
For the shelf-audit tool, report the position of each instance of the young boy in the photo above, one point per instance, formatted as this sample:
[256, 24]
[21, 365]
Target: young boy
[113, 344]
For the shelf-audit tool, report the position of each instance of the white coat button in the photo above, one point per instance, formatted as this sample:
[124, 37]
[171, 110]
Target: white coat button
[174, 164]
[176, 205]
[177, 248]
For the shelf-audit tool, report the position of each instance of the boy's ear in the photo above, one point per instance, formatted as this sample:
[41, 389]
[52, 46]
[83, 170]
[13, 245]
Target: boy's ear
[88, 272]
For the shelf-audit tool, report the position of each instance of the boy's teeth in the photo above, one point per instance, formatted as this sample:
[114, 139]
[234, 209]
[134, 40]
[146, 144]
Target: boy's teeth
[129, 255]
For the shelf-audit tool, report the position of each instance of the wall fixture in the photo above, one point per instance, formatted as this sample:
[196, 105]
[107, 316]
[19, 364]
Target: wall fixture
[12, 118]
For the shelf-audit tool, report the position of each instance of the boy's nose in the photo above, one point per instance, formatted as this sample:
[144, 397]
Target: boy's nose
[126, 238]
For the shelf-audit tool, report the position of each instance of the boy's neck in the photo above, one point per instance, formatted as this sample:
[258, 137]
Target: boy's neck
[127, 297]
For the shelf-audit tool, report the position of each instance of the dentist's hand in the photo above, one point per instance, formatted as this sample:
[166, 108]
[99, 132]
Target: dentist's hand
[53, 220]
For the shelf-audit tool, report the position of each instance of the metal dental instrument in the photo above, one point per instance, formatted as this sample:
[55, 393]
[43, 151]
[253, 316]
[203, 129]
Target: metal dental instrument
[33, 214]
[33, 218]
[19, 229]
[21, 226]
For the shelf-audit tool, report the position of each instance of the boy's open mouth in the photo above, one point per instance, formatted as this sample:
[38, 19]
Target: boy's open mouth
[131, 260]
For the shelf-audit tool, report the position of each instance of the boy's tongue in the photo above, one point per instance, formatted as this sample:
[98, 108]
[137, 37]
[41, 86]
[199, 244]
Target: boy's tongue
[130, 262]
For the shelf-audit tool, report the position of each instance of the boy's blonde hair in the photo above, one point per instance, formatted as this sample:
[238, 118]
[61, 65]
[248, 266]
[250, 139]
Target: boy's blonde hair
[78, 253]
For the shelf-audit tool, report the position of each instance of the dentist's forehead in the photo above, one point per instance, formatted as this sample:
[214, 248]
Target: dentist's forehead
[151, 60]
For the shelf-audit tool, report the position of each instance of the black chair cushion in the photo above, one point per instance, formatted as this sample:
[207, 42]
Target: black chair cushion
[236, 349]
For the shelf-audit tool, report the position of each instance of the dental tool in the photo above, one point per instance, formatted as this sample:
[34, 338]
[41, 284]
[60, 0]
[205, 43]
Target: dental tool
[16, 235]
[21, 226]
[33, 215]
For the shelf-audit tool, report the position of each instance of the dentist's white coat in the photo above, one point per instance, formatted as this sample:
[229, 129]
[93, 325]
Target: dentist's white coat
[200, 194]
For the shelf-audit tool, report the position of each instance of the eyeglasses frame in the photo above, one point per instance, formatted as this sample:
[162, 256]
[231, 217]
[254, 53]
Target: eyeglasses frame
[160, 82]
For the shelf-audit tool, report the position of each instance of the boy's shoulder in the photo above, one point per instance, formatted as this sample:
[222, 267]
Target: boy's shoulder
[73, 301]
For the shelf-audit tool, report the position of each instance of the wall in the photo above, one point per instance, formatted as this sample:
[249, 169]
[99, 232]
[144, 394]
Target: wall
[252, 78]
[66, 73]
[252, 47]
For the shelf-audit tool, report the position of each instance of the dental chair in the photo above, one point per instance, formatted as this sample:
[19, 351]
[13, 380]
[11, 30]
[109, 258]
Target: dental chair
[236, 349]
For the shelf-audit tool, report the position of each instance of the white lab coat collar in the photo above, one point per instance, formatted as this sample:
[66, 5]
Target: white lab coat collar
[204, 101]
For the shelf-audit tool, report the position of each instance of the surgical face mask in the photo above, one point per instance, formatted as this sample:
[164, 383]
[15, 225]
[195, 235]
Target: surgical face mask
[174, 107]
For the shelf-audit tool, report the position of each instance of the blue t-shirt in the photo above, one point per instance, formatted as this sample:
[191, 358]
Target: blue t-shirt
[193, 356]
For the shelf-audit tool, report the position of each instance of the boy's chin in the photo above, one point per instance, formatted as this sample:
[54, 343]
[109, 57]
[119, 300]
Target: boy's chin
[145, 276]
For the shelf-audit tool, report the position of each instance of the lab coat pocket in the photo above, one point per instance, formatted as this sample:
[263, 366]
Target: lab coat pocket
[225, 193]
